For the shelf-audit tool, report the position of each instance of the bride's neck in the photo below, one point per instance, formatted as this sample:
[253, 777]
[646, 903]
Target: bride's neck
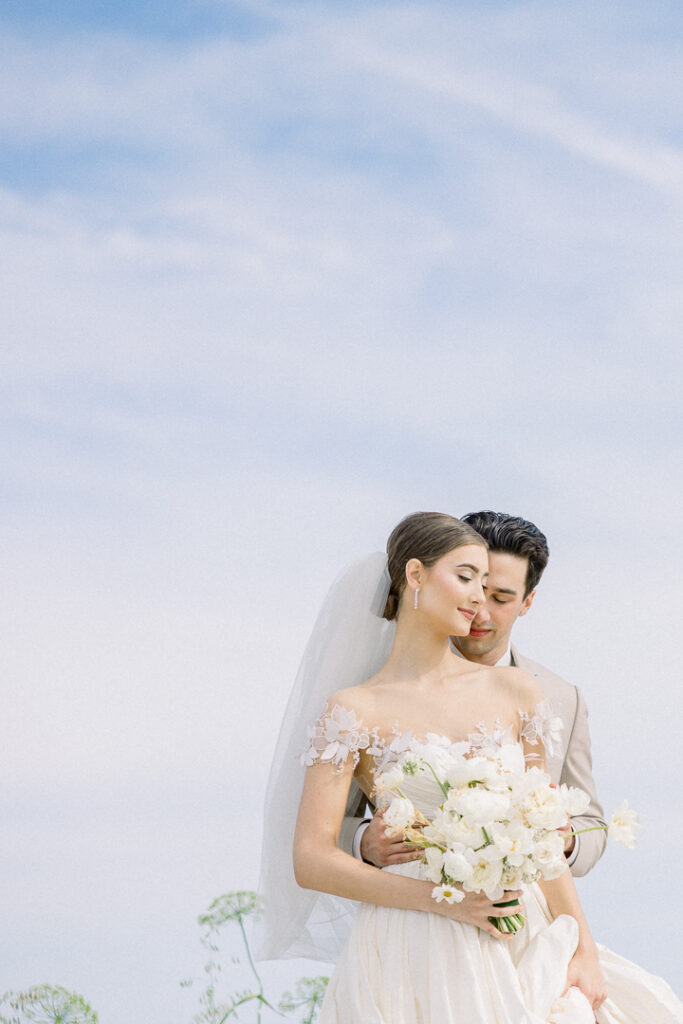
[418, 652]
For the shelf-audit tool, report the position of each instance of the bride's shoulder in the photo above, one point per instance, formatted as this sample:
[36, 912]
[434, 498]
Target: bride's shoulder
[353, 698]
[364, 699]
[521, 685]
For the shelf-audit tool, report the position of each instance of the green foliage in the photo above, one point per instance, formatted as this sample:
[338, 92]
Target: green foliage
[308, 996]
[46, 1004]
[51, 1004]
[231, 906]
[234, 908]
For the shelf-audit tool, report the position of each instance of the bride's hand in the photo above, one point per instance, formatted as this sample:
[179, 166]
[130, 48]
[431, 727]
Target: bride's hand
[584, 972]
[476, 909]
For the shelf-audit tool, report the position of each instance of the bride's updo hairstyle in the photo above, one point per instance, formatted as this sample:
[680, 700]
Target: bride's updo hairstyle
[426, 536]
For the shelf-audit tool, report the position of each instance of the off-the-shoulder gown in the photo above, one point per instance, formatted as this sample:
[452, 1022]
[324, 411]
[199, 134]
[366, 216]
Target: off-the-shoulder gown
[410, 967]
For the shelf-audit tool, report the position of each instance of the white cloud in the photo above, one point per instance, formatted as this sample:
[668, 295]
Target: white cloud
[264, 298]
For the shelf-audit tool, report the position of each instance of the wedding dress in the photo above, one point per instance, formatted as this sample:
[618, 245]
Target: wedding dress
[400, 966]
[410, 967]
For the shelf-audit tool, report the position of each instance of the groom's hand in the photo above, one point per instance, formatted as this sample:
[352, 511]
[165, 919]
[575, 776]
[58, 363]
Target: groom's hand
[381, 848]
[569, 839]
[584, 972]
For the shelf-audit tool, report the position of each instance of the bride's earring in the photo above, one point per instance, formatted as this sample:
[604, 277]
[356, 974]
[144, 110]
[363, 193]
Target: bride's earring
[417, 591]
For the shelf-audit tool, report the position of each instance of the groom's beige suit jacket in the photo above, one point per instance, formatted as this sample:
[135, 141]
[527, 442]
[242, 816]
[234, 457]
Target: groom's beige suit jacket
[571, 764]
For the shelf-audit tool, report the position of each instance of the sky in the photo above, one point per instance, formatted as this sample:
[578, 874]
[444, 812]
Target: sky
[275, 275]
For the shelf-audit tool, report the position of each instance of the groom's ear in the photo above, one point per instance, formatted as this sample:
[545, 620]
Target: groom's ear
[527, 603]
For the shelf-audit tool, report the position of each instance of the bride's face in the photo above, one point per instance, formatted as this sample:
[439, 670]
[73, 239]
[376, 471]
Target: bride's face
[451, 590]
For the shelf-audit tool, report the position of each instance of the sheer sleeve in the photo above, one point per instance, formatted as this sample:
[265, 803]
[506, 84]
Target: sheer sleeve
[540, 731]
[338, 735]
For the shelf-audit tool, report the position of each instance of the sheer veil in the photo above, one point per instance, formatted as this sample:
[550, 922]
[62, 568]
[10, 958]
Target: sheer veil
[349, 643]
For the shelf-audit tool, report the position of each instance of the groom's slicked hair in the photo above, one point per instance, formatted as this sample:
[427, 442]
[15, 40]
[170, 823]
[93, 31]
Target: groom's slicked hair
[513, 535]
[423, 535]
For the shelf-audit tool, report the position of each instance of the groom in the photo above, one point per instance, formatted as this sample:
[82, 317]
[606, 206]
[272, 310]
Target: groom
[518, 554]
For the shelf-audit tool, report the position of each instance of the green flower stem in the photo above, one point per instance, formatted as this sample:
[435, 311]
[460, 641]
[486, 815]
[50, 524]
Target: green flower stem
[511, 924]
[593, 828]
[253, 967]
[438, 780]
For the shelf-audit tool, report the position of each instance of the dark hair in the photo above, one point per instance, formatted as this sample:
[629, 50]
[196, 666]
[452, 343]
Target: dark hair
[423, 535]
[513, 535]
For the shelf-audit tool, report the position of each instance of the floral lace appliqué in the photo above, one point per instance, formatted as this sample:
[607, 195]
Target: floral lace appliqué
[338, 734]
[543, 725]
[486, 742]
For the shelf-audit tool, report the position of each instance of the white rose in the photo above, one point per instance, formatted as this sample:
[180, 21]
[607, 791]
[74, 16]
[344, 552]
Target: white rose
[542, 808]
[462, 832]
[486, 877]
[479, 807]
[624, 825]
[400, 814]
[528, 781]
[573, 800]
[469, 769]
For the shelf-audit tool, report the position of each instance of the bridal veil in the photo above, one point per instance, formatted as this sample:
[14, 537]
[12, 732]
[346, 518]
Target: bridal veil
[350, 642]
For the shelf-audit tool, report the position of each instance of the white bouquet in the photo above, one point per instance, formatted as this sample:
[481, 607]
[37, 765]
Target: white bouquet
[496, 826]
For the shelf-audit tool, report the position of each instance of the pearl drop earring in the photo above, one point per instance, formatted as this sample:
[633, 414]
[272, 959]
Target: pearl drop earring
[417, 591]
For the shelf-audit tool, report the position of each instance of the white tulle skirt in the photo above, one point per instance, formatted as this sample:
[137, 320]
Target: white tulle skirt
[407, 967]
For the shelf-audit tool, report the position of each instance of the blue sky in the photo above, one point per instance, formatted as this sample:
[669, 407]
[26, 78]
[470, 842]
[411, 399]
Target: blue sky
[274, 276]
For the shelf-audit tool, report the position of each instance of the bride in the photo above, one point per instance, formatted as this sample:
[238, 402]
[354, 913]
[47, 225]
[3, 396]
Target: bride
[382, 643]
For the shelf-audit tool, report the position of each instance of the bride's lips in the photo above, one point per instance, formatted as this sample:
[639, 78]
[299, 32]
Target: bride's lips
[467, 613]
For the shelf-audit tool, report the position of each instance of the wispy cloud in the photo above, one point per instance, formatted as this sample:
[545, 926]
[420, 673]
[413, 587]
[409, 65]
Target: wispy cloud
[267, 289]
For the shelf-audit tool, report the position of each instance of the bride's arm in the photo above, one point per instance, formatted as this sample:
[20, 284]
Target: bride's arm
[320, 865]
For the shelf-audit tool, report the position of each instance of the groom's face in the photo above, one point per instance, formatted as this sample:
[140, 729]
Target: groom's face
[505, 602]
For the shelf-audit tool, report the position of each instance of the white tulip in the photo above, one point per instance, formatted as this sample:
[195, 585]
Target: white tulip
[400, 814]
[624, 825]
